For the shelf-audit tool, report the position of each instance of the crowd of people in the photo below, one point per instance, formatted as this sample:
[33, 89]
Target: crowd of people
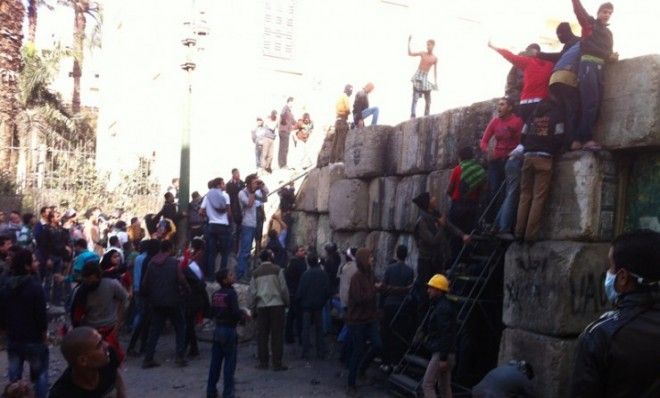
[111, 276]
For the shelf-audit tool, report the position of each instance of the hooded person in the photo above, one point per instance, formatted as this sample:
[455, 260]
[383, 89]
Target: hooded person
[362, 317]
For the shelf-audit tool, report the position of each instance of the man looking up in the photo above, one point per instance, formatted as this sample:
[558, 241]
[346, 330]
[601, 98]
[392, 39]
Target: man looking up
[421, 84]
[596, 50]
[93, 367]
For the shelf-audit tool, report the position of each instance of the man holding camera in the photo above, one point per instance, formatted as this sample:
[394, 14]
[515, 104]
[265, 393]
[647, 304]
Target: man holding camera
[254, 193]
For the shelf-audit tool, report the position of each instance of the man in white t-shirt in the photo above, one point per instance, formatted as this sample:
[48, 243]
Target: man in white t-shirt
[216, 205]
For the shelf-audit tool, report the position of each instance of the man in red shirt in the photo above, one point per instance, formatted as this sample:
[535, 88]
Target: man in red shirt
[536, 75]
[506, 128]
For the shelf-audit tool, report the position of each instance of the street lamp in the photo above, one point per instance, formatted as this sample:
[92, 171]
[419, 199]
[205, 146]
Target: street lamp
[192, 28]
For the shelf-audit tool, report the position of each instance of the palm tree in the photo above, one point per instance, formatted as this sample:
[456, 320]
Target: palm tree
[82, 9]
[32, 13]
[11, 39]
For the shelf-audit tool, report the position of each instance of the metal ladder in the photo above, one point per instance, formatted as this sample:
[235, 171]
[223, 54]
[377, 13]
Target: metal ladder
[470, 275]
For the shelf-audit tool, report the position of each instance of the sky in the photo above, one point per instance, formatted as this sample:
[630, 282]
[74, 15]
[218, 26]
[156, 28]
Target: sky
[142, 88]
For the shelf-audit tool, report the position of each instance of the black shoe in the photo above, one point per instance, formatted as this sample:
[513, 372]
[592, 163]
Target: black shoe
[280, 368]
[149, 363]
[181, 362]
[193, 354]
[262, 366]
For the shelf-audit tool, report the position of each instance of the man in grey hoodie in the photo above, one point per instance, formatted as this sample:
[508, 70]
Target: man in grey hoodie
[164, 287]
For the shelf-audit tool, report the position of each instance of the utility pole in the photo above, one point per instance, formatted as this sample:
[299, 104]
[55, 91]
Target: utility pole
[192, 28]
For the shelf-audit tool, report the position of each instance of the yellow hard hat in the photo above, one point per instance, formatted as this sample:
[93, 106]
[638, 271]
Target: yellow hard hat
[440, 282]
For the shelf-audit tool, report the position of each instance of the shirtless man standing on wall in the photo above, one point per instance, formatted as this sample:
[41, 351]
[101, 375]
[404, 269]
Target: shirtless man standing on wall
[421, 84]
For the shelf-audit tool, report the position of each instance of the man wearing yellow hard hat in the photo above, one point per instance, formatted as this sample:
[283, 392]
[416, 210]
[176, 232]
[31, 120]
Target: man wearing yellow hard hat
[440, 334]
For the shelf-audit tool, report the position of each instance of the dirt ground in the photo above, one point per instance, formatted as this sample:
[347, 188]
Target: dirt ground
[303, 379]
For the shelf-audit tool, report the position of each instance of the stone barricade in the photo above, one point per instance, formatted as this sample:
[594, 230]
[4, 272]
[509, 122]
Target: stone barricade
[552, 359]
[382, 203]
[349, 205]
[562, 278]
[582, 198]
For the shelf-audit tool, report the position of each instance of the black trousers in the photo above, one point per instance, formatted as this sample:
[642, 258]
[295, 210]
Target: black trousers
[397, 335]
[567, 99]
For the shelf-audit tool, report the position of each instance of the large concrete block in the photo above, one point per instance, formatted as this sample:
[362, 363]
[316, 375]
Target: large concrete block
[382, 244]
[327, 176]
[393, 152]
[406, 212]
[349, 205]
[554, 287]
[382, 197]
[325, 154]
[413, 253]
[460, 127]
[304, 229]
[418, 145]
[344, 240]
[436, 184]
[366, 151]
[307, 195]
[552, 359]
[582, 198]
[323, 232]
[630, 113]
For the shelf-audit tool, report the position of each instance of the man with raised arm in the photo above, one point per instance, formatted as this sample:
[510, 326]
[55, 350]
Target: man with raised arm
[420, 81]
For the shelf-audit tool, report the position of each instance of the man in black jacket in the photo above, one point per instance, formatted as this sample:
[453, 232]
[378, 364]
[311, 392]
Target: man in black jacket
[198, 300]
[23, 319]
[361, 108]
[397, 282]
[439, 338]
[313, 293]
[619, 355]
[233, 187]
[293, 273]
[164, 287]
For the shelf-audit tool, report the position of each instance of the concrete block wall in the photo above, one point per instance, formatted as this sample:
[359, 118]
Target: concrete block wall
[552, 289]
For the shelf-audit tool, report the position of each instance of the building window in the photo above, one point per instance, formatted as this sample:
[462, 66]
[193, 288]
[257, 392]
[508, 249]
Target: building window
[279, 28]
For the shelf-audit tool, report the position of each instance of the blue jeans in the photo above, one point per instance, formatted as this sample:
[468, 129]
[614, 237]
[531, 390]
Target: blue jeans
[590, 84]
[495, 179]
[36, 355]
[507, 214]
[158, 317]
[427, 100]
[360, 359]
[373, 112]
[247, 236]
[218, 240]
[224, 348]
